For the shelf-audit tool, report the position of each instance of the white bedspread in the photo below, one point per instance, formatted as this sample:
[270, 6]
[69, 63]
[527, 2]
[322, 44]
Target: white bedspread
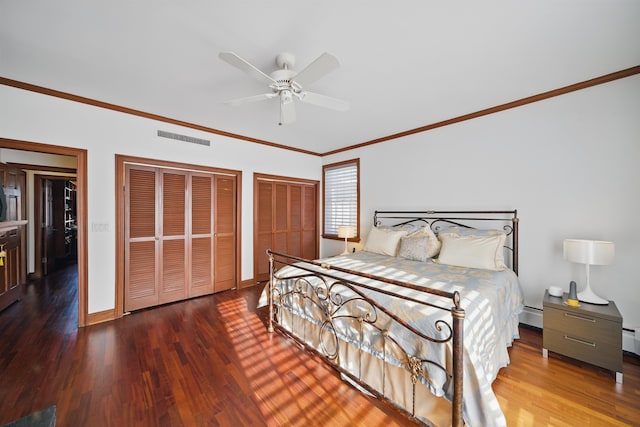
[492, 302]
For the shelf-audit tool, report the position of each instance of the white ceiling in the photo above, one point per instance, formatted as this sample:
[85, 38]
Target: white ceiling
[404, 64]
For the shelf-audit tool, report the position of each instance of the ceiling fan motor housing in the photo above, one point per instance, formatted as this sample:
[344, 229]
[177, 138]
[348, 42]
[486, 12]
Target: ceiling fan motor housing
[283, 81]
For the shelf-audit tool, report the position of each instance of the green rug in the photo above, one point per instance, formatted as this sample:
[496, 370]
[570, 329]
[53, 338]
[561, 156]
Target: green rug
[44, 418]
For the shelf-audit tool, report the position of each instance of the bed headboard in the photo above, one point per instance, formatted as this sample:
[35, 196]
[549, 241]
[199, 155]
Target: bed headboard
[505, 220]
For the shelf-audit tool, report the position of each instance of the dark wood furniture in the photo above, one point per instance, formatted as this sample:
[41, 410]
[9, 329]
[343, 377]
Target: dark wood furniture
[591, 333]
[12, 237]
[11, 264]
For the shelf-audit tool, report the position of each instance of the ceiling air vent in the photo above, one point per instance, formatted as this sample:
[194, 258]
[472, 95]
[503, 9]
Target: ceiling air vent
[184, 138]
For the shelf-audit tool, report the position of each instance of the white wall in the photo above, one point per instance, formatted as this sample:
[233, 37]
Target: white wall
[570, 165]
[33, 117]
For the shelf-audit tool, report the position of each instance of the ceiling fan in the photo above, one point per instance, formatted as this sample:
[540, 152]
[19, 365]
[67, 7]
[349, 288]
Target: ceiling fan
[287, 84]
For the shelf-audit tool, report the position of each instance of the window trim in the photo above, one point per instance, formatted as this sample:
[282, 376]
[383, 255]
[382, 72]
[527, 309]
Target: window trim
[355, 161]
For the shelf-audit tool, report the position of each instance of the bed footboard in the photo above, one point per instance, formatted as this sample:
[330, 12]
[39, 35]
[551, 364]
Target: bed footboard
[329, 310]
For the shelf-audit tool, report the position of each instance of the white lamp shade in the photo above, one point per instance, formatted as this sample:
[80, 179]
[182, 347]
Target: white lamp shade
[346, 231]
[591, 252]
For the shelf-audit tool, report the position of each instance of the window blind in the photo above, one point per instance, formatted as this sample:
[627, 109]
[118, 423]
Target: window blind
[340, 196]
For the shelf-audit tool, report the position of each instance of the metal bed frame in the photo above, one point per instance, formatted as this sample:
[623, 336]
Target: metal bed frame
[333, 296]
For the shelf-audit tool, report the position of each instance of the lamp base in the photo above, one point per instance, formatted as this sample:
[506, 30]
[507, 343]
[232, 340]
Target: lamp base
[588, 296]
[346, 247]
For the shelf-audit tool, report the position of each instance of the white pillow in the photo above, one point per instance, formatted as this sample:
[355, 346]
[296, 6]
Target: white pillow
[484, 252]
[383, 242]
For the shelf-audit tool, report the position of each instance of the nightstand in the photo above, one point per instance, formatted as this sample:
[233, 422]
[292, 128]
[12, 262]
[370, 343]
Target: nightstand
[591, 333]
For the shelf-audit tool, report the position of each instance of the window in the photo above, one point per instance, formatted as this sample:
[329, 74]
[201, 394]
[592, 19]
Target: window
[341, 197]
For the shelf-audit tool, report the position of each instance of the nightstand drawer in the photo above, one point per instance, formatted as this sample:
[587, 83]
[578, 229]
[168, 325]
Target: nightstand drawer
[583, 325]
[605, 354]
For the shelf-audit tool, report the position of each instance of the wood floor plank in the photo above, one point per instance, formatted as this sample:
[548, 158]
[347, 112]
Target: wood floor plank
[210, 362]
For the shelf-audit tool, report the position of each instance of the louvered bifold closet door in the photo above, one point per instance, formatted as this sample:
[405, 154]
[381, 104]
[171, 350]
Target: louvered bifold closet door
[281, 217]
[285, 220]
[225, 233]
[263, 228]
[173, 278]
[201, 235]
[295, 220]
[180, 234]
[309, 222]
[141, 245]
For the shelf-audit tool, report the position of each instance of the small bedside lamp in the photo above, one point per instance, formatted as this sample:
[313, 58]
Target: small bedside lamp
[346, 232]
[589, 252]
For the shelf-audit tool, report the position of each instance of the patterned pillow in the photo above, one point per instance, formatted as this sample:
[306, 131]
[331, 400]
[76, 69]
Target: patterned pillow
[464, 231]
[414, 248]
[420, 245]
[408, 228]
[434, 242]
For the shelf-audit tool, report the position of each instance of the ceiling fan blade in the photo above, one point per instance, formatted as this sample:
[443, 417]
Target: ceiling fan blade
[233, 59]
[287, 108]
[254, 98]
[323, 101]
[322, 66]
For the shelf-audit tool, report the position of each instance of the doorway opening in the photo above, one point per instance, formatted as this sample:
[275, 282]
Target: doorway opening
[55, 223]
[77, 230]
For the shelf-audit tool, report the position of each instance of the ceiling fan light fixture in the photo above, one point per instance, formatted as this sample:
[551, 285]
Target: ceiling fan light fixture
[286, 96]
[287, 109]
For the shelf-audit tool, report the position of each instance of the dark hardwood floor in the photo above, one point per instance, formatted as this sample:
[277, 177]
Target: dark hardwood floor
[210, 362]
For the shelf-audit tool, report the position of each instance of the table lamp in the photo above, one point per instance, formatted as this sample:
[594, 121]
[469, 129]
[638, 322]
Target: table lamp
[589, 252]
[346, 232]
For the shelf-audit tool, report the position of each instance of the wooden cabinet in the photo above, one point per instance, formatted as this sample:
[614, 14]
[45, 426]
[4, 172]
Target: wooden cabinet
[591, 333]
[11, 264]
[13, 183]
[13, 271]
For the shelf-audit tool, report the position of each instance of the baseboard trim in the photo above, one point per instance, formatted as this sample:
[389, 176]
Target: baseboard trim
[247, 283]
[531, 316]
[101, 317]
